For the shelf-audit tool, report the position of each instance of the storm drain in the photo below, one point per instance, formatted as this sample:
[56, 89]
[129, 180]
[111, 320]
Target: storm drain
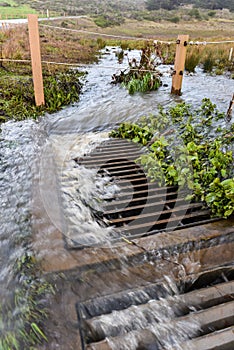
[200, 316]
[141, 207]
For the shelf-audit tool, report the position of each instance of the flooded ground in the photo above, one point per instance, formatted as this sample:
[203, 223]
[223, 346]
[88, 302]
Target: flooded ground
[44, 195]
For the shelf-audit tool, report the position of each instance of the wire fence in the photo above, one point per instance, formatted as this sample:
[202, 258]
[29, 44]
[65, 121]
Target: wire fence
[123, 37]
[181, 42]
[135, 38]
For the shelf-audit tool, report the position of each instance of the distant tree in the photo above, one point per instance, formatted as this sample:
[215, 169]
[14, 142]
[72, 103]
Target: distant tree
[195, 13]
[164, 4]
[212, 4]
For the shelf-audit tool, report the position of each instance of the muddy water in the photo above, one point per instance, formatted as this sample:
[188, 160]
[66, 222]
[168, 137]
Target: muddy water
[42, 190]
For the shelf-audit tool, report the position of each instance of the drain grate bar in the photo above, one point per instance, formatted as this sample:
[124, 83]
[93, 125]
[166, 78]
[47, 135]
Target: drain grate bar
[119, 317]
[179, 304]
[160, 196]
[140, 206]
[146, 191]
[220, 340]
[117, 212]
[98, 162]
[153, 214]
[109, 167]
[161, 224]
[102, 156]
[214, 318]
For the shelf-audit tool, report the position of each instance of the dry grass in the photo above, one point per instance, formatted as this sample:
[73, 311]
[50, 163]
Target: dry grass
[64, 46]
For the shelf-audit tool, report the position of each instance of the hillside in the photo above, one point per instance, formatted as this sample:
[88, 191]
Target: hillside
[175, 4]
[125, 8]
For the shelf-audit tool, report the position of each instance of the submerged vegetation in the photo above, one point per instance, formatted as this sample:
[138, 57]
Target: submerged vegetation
[23, 328]
[141, 76]
[190, 149]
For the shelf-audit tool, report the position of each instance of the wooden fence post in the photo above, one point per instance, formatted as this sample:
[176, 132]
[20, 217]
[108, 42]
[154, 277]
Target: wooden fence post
[182, 42]
[36, 59]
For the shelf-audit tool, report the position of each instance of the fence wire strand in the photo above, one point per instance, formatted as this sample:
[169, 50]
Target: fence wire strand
[77, 65]
[106, 35]
[135, 38]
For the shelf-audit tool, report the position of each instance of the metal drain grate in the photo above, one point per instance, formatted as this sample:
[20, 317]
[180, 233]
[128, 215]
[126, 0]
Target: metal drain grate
[141, 207]
[207, 304]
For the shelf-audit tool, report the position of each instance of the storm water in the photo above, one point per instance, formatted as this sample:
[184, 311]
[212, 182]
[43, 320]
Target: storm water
[37, 167]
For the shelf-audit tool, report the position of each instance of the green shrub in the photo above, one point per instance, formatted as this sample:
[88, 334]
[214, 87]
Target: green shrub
[175, 19]
[211, 13]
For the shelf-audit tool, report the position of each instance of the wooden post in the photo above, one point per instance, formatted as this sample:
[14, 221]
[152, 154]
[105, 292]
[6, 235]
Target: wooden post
[180, 57]
[36, 59]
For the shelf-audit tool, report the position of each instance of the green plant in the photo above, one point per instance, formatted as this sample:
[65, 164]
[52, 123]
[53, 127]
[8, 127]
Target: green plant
[147, 82]
[142, 76]
[189, 149]
[208, 64]
[17, 99]
[174, 19]
[23, 328]
[220, 197]
[133, 132]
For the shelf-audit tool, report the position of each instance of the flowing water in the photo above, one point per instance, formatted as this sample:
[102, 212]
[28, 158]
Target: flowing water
[43, 190]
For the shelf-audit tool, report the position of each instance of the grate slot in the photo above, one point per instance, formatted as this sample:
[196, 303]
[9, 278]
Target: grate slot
[113, 166]
[161, 224]
[128, 210]
[100, 156]
[218, 316]
[111, 153]
[99, 162]
[125, 220]
[140, 207]
[117, 148]
[211, 307]
[145, 198]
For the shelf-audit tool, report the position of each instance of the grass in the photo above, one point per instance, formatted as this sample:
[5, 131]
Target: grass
[22, 321]
[14, 10]
[17, 97]
[61, 86]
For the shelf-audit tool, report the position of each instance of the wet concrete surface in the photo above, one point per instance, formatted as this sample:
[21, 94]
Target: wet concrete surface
[79, 275]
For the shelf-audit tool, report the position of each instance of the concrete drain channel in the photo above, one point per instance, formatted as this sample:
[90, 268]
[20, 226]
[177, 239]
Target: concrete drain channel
[141, 207]
[108, 322]
[154, 316]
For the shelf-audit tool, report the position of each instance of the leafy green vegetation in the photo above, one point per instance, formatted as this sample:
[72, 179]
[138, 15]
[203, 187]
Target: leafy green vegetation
[17, 99]
[189, 149]
[133, 132]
